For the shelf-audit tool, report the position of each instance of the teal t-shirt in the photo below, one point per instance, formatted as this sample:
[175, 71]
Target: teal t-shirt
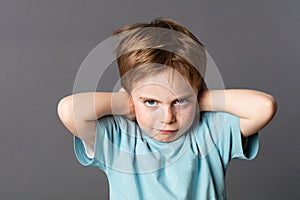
[191, 167]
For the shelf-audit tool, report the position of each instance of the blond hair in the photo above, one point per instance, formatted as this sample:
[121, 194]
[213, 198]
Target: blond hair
[144, 51]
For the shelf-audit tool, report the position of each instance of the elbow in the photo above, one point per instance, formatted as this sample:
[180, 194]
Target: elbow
[270, 107]
[64, 108]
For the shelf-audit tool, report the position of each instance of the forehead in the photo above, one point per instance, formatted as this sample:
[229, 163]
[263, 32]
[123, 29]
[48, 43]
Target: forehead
[167, 82]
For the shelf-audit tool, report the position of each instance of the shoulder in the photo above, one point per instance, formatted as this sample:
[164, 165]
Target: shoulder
[117, 125]
[217, 117]
[214, 125]
[116, 120]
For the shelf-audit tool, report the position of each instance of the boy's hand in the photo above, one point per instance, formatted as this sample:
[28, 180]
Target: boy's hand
[204, 101]
[131, 114]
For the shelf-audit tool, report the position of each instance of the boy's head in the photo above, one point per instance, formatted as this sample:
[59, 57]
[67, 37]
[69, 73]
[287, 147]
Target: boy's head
[163, 42]
[161, 65]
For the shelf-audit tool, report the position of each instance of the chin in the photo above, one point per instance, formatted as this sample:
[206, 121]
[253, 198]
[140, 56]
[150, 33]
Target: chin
[166, 138]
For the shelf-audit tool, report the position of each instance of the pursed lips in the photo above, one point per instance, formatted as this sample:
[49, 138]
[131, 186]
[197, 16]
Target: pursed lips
[167, 131]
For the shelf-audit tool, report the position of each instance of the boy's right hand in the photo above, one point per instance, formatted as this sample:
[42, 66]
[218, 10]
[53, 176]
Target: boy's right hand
[131, 114]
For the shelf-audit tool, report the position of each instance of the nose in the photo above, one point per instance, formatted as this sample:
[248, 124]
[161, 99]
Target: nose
[169, 115]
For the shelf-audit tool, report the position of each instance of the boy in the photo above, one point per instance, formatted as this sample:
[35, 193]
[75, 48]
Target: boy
[164, 135]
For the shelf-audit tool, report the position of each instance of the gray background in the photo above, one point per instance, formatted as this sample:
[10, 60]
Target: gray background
[255, 44]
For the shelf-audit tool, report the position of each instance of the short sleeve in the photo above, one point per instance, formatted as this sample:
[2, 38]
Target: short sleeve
[81, 152]
[230, 142]
[111, 141]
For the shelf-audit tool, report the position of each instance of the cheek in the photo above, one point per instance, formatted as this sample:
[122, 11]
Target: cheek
[143, 116]
[187, 117]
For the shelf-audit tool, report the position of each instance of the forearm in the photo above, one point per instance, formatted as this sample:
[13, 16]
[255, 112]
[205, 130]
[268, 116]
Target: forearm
[244, 103]
[89, 106]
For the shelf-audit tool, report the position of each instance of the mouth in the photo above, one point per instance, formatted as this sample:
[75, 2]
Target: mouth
[168, 131]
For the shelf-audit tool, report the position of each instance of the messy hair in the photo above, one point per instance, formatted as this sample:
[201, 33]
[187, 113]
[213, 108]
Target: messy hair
[149, 48]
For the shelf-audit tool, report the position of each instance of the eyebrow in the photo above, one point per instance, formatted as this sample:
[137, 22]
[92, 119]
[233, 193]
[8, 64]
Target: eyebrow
[153, 98]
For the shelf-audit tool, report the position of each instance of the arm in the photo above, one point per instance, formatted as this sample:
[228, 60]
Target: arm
[79, 112]
[255, 108]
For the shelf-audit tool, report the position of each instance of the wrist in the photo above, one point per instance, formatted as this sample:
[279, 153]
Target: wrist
[120, 103]
[212, 100]
[204, 101]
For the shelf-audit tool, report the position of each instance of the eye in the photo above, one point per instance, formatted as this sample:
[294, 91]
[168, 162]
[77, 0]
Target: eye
[150, 102]
[180, 101]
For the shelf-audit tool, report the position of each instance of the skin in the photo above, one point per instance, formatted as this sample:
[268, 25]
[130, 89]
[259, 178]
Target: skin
[164, 107]
[157, 104]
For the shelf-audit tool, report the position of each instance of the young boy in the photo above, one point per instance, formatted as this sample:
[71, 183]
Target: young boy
[164, 135]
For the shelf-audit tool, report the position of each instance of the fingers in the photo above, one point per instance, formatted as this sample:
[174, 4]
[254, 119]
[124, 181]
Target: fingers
[122, 90]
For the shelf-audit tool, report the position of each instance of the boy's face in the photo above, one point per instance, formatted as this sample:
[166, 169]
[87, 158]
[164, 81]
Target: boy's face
[165, 105]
